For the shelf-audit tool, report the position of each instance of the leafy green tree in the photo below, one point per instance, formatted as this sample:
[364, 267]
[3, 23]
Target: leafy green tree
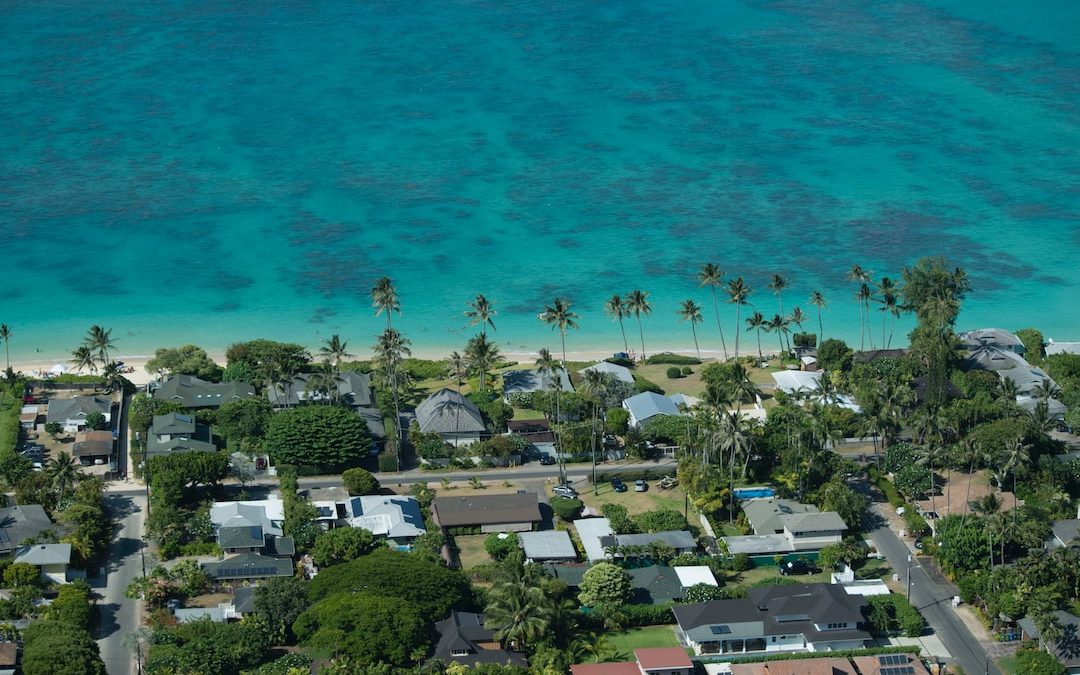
[360, 482]
[900, 455]
[661, 520]
[278, 603]
[365, 627]
[605, 584]
[189, 469]
[72, 605]
[21, 574]
[912, 481]
[1038, 662]
[96, 421]
[704, 593]
[59, 648]
[519, 614]
[619, 518]
[184, 360]
[245, 420]
[209, 648]
[617, 420]
[341, 544]
[321, 435]
[500, 544]
[567, 509]
[835, 356]
[261, 355]
[430, 586]
[143, 408]
[849, 504]
[1034, 342]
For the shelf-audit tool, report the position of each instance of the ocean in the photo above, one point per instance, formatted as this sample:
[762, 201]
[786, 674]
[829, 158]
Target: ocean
[192, 171]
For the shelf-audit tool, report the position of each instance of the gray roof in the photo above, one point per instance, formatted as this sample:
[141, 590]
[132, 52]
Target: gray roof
[1062, 348]
[244, 599]
[374, 420]
[1067, 648]
[244, 536]
[353, 390]
[994, 337]
[486, 509]
[755, 544]
[1055, 409]
[655, 584]
[547, 545]
[249, 566]
[591, 531]
[1065, 532]
[173, 446]
[239, 514]
[527, 381]
[783, 610]
[460, 632]
[192, 392]
[798, 523]
[678, 540]
[620, 373]
[44, 554]
[64, 409]
[763, 514]
[390, 516]
[22, 522]
[989, 357]
[173, 423]
[93, 444]
[448, 412]
[189, 614]
[1025, 377]
[647, 405]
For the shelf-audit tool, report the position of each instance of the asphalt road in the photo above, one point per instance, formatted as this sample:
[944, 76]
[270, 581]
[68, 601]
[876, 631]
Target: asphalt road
[119, 616]
[933, 598]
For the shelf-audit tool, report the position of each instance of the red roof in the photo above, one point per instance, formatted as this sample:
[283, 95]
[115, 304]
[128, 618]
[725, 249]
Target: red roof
[622, 668]
[662, 657]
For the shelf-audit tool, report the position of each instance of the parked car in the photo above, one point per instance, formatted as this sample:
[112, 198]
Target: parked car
[640, 485]
[617, 485]
[547, 460]
[260, 464]
[797, 567]
[564, 490]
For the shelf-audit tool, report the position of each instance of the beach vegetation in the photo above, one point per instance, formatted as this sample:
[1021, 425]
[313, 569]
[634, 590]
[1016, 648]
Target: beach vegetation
[637, 302]
[691, 311]
[667, 358]
[804, 340]
[674, 373]
[184, 360]
[327, 436]
[712, 276]
[1034, 345]
[616, 308]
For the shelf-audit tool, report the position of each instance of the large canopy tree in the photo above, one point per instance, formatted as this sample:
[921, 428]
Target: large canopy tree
[368, 628]
[323, 435]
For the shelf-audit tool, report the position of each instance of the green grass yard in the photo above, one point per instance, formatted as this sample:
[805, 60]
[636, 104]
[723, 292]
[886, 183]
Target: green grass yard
[758, 574]
[470, 550]
[625, 642]
[637, 502]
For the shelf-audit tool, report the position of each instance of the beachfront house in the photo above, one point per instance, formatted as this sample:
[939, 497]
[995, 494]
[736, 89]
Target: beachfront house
[455, 418]
[620, 373]
[991, 337]
[533, 380]
[797, 618]
[192, 392]
[1062, 348]
[807, 384]
[71, 413]
[178, 432]
[648, 405]
[351, 388]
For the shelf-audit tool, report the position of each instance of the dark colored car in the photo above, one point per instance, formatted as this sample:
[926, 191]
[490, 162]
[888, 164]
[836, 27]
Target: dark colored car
[260, 463]
[796, 567]
[547, 460]
[617, 485]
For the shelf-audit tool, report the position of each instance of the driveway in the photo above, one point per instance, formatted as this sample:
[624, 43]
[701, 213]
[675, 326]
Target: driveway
[119, 616]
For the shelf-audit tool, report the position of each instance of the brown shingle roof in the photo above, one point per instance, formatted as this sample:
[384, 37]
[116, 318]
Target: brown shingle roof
[9, 654]
[486, 509]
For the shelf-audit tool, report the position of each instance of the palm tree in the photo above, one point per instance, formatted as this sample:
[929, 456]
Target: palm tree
[638, 303]
[860, 276]
[481, 312]
[1046, 389]
[99, 340]
[741, 386]
[738, 293]
[114, 377]
[595, 646]
[519, 614]
[865, 295]
[1018, 455]
[691, 311]
[63, 471]
[558, 316]
[545, 363]
[323, 382]
[712, 276]
[797, 317]
[735, 441]
[777, 285]
[779, 325]
[390, 348]
[755, 322]
[593, 388]
[818, 300]
[335, 350]
[456, 366]
[82, 357]
[617, 309]
[384, 298]
[890, 304]
[481, 354]
[5, 335]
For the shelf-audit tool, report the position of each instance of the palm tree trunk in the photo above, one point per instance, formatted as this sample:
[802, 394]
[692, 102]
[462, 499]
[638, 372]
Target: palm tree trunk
[883, 317]
[641, 331]
[737, 324]
[820, 328]
[716, 312]
[759, 356]
[562, 338]
[862, 329]
[693, 329]
[625, 344]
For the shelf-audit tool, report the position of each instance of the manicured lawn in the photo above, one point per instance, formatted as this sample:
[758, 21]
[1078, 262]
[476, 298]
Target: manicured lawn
[691, 384]
[758, 574]
[527, 414]
[626, 642]
[1007, 665]
[637, 502]
[873, 569]
[471, 550]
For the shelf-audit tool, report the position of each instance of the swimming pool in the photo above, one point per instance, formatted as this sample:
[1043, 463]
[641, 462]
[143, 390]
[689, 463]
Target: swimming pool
[752, 493]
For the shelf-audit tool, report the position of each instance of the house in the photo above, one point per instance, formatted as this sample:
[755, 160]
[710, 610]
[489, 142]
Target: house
[647, 405]
[352, 388]
[822, 666]
[1062, 348]
[620, 373]
[991, 337]
[1065, 533]
[764, 513]
[692, 575]
[53, 559]
[491, 513]
[9, 657]
[547, 546]
[248, 566]
[72, 412]
[1067, 649]
[215, 614]
[178, 432]
[90, 446]
[20, 523]
[651, 585]
[685, 401]
[243, 602]
[464, 639]
[682, 541]
[1055, 409]
[890, 664]
[647, 661]
[530, 381]
[592, 531]
[799, 533]
[28, 416]
[192, 392]
[537, 432]
[251, 527]
[455, 418]
[797, 618]
[394, 518]
[797, 381]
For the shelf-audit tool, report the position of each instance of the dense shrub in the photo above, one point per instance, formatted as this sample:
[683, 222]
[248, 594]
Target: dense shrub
[500, 544]
[674, 359]
[360, 482]
[674, 373]
[642, 385]
[892, 612]
[619, 519]
[648, 615]
[901, 455]
[567, 509]
[617, 420]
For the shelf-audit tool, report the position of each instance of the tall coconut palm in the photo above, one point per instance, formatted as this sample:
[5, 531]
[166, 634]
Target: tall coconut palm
[741, 386]
[638, 303]
[323, 383]
[797, 317]
[5, 335]
[860, 276]
[593, 387]
[889, 301]
[559, 316]
[99, 340]
[63, 471]
[616, 308]
[593, 647]
[1045, 390]
[691, 311]
[481, 312]
[779, 325]
[865, 296]
[114, 376]
[546, 364]
[734, 441]
[335, 351]
[82, 357]
[384, 298]
[712, 276]
[456, 366]
[738, 293]
[389, 350]
[756, 322]
[518, 613]
[777, 285]
[818, 300]
[481, 354]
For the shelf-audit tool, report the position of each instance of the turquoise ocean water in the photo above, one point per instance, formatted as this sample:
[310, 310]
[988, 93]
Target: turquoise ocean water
[200, 171]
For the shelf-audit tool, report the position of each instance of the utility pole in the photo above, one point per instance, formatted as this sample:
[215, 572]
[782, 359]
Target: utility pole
[909, 578]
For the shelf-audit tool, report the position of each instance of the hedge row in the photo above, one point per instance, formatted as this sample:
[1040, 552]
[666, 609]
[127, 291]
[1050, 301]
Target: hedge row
[886, 487]
[673, 359]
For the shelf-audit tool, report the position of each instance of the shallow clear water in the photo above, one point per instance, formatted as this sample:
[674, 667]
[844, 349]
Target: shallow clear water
[204, 171]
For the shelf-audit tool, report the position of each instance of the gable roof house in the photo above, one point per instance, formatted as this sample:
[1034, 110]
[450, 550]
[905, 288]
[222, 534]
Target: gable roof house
[1065, 533]
[72, 412]
[991, 337]
[532, 380]
[178, 432]
[682, 541]
[647, 661]
[51, 559]
[783, 526]
[248, 566]
[455, 418]
[647, 405]
[395, 518]
[1067, 647]
[353, 390]
[464, 639]
[90, 445]
[192, 392]
[252, 527]
[21, 522]
[550, 545]
[620, 373]
[797, 618]
[491, 513]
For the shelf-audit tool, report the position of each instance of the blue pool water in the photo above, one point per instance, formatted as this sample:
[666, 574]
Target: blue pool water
[753, 493]
[203, 171]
